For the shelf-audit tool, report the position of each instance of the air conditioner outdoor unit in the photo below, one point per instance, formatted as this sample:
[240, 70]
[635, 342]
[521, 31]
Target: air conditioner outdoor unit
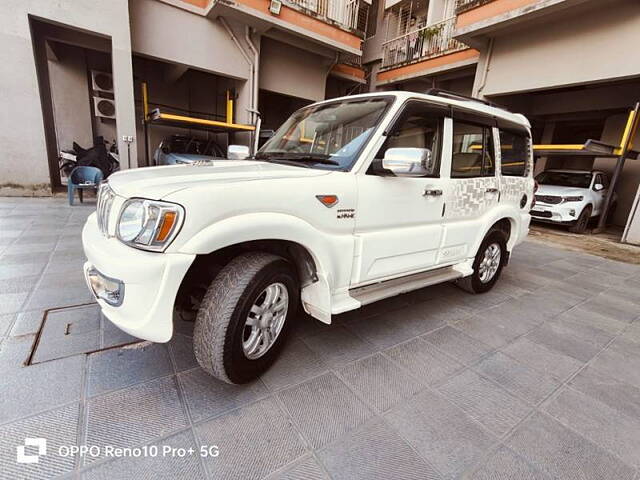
[104, 107]
[101, 81]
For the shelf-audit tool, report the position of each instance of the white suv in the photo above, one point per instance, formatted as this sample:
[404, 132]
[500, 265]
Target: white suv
[571, 197]
[353, 200]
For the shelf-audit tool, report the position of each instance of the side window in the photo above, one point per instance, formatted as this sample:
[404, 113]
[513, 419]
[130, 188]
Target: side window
[515, 153]
[417, 127]
[605, 180]
[473, 153]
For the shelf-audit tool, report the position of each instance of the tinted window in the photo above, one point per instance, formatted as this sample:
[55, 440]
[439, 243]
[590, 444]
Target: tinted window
[565, 179]
[472, 151]
[515, 153]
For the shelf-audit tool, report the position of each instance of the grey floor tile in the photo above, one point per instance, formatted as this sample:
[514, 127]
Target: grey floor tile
[457, 344]
[584, 331]
[440, 432]
[375, 451]
[338, 346]
[517, 378]
[20, 259]
[539, 357]
[27, 323]
[25, 391]
[618, 395]
[112, 336]
[505, 464]
[59, 297]
[625, 368]
[18, 285]
[164, 466]
[6, 322]
[625, 346]
[610, 307]
[379, 382]
[253, 441]
[392, 328]
[58, 427]
[618, 268]
[120, 367]
[181, 348]
[632, 333]
[425, 362]
[491, 406]
[494, 331]
[561, 453]
[599, 423]
[486, 300]
[324, 409]
[15, 351]
[295, 364]
[12, 302]
[207, 396]
[587, 318]
[307, 468]
[560, 338]
[142, 414]
[10, 271]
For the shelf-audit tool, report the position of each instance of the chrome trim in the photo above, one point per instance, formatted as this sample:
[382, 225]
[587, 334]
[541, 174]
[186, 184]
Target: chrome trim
[106, 196]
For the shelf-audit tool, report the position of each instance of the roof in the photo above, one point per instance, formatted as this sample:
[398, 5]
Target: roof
[470, 104]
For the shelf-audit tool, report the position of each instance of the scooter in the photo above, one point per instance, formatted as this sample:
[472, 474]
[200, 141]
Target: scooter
[97, 156]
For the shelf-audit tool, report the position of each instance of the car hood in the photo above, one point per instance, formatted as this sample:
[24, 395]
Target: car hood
[158, 182]
[189, 157]
[559, 191]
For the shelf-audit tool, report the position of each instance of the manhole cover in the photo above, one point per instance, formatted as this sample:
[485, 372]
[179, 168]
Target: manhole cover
[73, 330]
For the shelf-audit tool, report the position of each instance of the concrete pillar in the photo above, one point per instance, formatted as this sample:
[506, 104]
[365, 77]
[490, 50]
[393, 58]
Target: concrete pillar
[547, 137]
[123, 96]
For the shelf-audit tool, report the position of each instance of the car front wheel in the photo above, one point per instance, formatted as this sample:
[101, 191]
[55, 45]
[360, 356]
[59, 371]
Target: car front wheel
[244, 317]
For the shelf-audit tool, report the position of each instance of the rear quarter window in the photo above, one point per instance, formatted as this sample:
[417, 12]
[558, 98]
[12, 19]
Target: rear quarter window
[515, 148]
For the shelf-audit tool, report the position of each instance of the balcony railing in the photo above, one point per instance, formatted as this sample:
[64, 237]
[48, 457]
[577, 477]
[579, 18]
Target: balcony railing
[349, 15]
[428, 42]
[464, 5]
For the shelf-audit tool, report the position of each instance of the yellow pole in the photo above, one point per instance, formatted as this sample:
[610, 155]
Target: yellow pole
[628, 134]
[229, 107]
[145, 101]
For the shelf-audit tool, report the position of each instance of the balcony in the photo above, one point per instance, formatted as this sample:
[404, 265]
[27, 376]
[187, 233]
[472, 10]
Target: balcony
[428, 42]
[464, 5]
[349, 15]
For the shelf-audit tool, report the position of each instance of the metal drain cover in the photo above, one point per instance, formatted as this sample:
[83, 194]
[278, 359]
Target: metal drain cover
[73, 330]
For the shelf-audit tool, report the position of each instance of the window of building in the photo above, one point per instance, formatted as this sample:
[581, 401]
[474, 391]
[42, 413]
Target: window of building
[473, 153]
[515, 153]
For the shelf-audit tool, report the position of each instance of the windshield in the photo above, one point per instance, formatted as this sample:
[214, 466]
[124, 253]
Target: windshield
[327, 136]
[565, 179]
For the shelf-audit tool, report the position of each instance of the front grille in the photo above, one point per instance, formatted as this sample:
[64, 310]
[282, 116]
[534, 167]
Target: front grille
[103, 209]
[549, 199]
[535, 213]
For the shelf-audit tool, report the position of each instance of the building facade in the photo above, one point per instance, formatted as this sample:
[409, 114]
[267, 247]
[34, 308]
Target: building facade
[571, 66]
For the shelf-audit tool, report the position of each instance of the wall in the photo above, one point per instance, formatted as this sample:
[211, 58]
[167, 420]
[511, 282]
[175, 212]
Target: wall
[24, 169]
[292, 71]
[596, 45]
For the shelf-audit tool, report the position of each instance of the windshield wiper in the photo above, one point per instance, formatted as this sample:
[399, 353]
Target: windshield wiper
[305, 157]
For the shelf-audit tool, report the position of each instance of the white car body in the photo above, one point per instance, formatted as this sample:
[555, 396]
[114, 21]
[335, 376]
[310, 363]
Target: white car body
[384, 230]
[563, 204]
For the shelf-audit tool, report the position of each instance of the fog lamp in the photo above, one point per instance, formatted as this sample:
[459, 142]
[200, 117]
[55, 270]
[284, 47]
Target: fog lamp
[108, 289]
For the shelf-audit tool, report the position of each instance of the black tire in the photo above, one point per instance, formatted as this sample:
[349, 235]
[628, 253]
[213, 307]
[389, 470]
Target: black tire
[473, 283]
[220, 323]
[581, 224]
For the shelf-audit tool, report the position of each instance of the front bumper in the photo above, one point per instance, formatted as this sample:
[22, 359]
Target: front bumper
[150, 283]
[562, 213]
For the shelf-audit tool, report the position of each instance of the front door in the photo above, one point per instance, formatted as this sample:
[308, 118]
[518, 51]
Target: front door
[399, 219]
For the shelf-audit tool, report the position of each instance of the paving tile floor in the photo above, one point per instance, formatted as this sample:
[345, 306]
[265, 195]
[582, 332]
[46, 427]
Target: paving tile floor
[537, 379]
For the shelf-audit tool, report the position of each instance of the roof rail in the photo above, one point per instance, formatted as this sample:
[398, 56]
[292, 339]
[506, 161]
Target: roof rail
[438, 92]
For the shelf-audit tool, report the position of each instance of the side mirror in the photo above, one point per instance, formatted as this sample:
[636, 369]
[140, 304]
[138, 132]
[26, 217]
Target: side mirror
[165, 149]
[237, 152]
[598, 187]
[409, 162]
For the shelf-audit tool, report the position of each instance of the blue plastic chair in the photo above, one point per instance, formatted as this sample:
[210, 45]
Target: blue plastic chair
[82, 178]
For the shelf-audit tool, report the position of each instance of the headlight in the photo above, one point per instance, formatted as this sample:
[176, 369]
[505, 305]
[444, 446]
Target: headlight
[149, 224]
[572, 199]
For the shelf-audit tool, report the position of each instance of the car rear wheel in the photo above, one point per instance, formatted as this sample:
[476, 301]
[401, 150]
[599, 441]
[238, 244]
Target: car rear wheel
[244, 317]
[487, 265]
[582, 222]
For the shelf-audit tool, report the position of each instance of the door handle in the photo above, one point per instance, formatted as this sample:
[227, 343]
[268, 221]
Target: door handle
[432, 192]
[492, 190]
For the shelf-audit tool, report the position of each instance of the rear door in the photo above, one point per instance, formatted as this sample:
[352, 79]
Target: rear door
[474, 186]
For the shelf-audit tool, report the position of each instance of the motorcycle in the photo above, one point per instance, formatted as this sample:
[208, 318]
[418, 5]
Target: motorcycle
[107, 160]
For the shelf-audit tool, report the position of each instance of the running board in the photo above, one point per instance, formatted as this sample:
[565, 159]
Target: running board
[390, 288]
